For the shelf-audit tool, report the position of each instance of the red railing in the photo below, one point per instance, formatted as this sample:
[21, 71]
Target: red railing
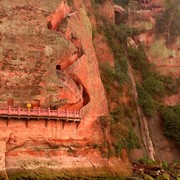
[39, 112]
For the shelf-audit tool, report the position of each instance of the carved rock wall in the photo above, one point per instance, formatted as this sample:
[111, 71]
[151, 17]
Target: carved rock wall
[33, 42]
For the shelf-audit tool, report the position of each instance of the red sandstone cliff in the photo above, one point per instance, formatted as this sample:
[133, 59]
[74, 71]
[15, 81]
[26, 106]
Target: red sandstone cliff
[47, 56]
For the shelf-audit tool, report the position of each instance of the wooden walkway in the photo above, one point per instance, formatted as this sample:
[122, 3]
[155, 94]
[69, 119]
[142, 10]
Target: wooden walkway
[39, 113]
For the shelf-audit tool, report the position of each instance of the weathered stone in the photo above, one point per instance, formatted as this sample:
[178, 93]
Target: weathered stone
[147, 177]
[154, 173]
[133, 178]
[165, 176]
[31, 49]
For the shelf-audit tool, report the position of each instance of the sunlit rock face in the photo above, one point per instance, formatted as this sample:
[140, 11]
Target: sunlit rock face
[29, 54]
[38, 48]
[47, 56]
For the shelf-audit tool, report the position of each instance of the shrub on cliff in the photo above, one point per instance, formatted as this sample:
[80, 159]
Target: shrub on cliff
[170, 85]
[117, 37]
[122, 132]
[146, 101]
[99, 1]
[139, 60]
[154, 86]
[168, 23]
[121, 68]
[121, 2]
[70, 2]
[171, 122]
[157, 84]
[108, 75]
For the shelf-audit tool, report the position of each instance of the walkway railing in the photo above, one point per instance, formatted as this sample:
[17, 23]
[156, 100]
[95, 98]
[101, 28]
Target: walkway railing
[39, 113]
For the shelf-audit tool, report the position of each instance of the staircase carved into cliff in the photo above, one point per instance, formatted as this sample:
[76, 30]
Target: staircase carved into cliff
[58, 21]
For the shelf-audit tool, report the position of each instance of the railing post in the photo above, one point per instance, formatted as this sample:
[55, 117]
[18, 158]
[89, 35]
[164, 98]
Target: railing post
[79, 116]
[48, 111]
[58, 112]
[18, 110]
[39, 111]
[9, 110]
[28, 111]
[80, 113]
[67, 114]
[74, 113]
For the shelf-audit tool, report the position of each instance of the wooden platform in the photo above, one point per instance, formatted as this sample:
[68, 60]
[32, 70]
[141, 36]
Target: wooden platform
[39, 113]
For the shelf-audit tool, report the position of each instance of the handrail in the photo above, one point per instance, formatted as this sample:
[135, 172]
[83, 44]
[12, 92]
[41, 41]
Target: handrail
[39, 112]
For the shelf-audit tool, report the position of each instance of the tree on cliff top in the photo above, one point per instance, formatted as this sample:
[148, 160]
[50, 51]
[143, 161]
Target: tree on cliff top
[168, 23]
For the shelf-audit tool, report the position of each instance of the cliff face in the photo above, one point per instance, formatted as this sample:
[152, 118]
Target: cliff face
[47, 56]
[165, 60]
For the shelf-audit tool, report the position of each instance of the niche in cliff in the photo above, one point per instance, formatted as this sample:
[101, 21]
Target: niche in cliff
[49, 25]
[58, 67]
[119, 14]
[118, 18]
[86, 97]
[85, 94]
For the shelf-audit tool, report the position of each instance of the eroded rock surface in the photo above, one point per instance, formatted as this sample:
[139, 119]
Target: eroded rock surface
[29, 55]
[47, 55]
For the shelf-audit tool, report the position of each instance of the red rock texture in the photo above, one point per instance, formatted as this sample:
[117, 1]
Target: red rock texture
[36, 36]
[58, 15]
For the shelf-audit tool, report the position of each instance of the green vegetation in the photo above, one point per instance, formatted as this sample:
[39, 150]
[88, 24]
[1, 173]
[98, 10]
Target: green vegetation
[146, 101]
[49, 174]
[122, 134]
[144, 25]
[99, 1]
[120, 121]
[145, 160]
[139, 60]
[171, 124]
[159, 49]
[153, 86]
[70, 2]
[117, 37]
[108, 75]
[168, 23]
[165, 165]
[121, 130]
[121, 2]
[129, 142]
[95, 2]
[171, 169]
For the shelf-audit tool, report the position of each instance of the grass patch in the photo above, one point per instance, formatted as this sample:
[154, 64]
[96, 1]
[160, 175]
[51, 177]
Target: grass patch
[122, 132]
[171, 122]
[70, 2]
[146, 101]
[153, 86]
[75, 173]
[144, 25]
[117, 37]
[108, 75]
[159, 49]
